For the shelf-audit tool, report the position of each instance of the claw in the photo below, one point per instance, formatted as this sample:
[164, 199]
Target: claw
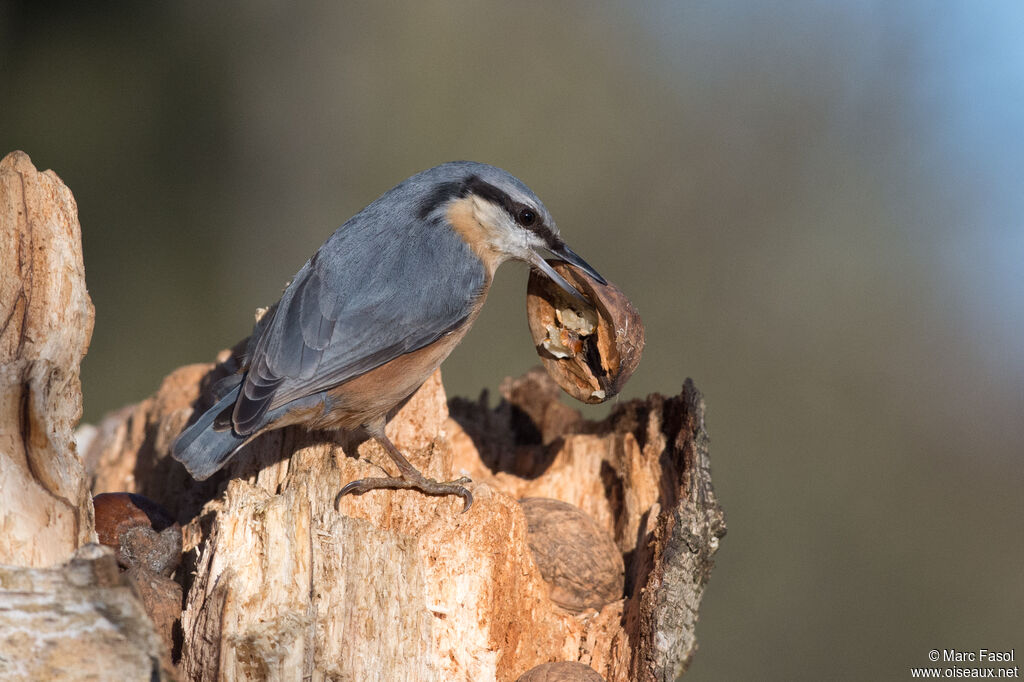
[411, 478]
[424, 485]
[468, 496]
[357, 487]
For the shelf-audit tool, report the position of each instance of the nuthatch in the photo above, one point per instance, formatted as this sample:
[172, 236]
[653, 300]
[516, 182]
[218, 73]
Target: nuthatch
[374, 312]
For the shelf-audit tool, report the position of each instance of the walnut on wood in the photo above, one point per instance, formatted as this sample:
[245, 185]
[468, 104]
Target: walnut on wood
[148, 546]
[562, 671]
[399, 585]
[65, 610]
[282, 584]
[577, 558]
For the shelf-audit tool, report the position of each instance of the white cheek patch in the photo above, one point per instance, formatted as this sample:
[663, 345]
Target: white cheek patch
[500, 230]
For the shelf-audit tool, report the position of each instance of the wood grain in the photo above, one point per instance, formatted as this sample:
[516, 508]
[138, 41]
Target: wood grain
[46, 320]
[283, 582]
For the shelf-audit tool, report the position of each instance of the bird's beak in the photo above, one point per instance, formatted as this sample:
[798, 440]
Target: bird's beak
[571, 257]
[563, 252]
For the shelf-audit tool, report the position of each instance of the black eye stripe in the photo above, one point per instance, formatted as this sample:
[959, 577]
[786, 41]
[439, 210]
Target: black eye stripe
[544, 232]
[525, 216]
[485, 190]
[537, 226]
[442, 193]
[446, 191]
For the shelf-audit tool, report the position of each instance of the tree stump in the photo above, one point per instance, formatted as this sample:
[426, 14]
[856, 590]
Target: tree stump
[46, 320]
[81, 620]
[283, 581]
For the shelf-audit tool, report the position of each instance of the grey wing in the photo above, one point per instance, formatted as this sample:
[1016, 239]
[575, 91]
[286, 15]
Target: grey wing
[364, 299]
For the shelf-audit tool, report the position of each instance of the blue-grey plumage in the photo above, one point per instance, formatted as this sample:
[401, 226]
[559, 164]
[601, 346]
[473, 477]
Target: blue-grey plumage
[375, 311]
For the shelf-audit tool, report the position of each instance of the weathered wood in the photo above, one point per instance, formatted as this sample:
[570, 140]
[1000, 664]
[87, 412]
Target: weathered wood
[46, 320]
[397, 585]
[685, 539]
[81, 621]
[283, 581]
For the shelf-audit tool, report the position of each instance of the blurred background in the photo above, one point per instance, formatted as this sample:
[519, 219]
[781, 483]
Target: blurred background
[817, 208]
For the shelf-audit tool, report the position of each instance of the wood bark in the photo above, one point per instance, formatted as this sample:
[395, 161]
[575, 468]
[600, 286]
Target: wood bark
[283, 581]
[82, 619]
[46, 320]
[398, 585]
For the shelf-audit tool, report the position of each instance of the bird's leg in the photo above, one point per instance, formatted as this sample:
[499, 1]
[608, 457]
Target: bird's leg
[411, 478]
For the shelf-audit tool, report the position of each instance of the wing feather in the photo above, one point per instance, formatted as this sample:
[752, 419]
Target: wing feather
[365, 298]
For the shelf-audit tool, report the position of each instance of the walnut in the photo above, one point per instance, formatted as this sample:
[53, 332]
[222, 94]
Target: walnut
[135, 527]
[561, 671]
[590, 351]
[148, 545]
[577, 559]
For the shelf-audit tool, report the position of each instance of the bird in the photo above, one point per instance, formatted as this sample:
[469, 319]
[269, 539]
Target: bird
[374, 312]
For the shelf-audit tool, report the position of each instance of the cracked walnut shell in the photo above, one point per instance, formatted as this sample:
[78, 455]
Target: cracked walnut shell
[590, 351]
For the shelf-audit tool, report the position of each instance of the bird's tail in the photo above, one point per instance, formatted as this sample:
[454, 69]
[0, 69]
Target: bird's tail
[204, 449]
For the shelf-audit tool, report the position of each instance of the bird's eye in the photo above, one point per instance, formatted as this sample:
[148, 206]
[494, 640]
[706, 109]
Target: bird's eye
[527, 217]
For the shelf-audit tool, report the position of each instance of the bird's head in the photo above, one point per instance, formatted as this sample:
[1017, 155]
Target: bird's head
[499, 217]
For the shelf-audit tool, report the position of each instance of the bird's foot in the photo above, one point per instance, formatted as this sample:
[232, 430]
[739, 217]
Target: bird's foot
[425, 485]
